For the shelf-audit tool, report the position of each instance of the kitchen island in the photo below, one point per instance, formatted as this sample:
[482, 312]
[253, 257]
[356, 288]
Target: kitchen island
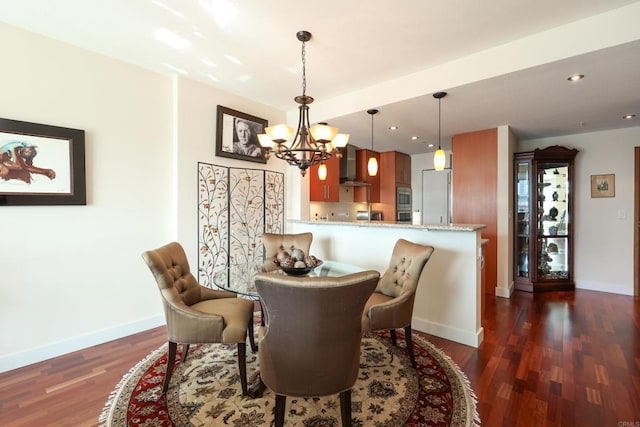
[448, 299]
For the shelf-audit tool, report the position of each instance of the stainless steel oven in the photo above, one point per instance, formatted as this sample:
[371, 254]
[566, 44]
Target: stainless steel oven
[403, 216]
[403, 199]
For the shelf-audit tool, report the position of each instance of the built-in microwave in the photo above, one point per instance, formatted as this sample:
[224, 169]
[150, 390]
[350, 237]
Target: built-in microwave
[403, 199]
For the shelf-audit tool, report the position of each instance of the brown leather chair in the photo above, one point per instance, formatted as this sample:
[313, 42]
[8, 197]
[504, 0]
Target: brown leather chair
[391, 305]
[274, 242]
[310, 345]
[196, 314]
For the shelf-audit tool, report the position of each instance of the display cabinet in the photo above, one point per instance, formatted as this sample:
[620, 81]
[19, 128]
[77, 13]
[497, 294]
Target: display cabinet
[543, 234]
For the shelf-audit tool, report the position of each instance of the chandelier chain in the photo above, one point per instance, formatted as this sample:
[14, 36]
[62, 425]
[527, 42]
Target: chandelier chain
[304, 70]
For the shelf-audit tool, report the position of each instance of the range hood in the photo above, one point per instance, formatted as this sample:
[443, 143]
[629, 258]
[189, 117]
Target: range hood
[348, 168]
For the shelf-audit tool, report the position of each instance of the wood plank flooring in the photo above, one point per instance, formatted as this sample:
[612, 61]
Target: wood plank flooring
[553, 359]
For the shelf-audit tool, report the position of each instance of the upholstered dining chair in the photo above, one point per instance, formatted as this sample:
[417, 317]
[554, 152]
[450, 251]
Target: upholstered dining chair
[274, 242]
[197, 314]
[310, 344]
[391, 305]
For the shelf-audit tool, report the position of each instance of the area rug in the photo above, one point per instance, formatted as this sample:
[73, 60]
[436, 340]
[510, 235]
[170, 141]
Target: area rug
[205, 391]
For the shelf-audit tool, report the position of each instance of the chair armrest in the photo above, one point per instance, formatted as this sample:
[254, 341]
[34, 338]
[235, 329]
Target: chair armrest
[395, 313]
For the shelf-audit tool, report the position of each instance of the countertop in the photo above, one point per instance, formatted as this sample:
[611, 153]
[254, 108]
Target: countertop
[428, 227]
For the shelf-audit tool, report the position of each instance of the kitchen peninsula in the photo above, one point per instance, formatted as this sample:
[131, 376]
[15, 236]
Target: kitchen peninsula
[448, 299]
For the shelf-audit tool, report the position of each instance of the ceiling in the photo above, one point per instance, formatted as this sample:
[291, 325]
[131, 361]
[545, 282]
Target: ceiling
[357, 46]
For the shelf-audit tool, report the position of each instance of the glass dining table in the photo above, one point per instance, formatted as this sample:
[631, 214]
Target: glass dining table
[239, 278]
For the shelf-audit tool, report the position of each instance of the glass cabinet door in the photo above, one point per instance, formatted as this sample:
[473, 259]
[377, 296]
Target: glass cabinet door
[552, 201]
[523, 200]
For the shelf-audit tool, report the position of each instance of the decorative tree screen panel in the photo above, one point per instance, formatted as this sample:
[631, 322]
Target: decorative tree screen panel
[235, 206]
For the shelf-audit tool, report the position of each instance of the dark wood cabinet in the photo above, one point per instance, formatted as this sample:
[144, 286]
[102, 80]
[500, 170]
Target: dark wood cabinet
[367, 193]
[329, 189]
[395, 171]
[543, 219]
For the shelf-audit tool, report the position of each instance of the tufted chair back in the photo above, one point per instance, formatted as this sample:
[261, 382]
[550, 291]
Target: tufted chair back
[274, 242]
[194, 313]
[310, 344]
[391, 305]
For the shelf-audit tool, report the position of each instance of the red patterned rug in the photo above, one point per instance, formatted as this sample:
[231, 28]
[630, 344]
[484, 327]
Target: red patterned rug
[205, 391]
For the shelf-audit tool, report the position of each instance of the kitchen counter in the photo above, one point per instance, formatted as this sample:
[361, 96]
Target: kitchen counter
[364, 223]
[448, 299]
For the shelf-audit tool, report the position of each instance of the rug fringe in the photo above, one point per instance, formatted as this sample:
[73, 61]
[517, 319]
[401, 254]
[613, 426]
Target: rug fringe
[104, 419]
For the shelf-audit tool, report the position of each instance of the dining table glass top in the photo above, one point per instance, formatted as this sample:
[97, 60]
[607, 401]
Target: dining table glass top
[239, 278]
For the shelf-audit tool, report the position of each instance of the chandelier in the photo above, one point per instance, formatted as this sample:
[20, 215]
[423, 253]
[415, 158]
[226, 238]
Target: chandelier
[311, 145]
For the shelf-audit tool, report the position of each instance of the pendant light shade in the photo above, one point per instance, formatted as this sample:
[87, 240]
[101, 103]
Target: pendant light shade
[440, 157]
[372, 164]
[322, 172]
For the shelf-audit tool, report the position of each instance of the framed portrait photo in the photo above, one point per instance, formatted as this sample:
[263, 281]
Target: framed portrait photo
[237, 135]
[603, 185]
[41, 164]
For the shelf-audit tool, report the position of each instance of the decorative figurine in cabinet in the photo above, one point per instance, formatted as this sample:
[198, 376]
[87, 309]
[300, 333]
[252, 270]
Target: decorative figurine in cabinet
[543, 235]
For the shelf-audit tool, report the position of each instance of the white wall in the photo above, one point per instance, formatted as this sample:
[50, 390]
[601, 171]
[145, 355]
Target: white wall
[603, 239]
[72, 276]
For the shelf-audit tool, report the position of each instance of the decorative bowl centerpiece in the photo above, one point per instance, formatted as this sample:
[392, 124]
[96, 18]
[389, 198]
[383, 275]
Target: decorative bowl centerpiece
[295, 262]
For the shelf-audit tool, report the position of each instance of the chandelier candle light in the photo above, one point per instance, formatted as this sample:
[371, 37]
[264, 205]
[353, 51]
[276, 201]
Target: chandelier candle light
[372, 164]
[439, 158]
[311, 145]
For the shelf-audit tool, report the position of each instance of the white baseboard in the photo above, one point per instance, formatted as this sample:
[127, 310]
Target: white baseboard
[473, 339]
[39, 354]
[504, 292]
[605, 287]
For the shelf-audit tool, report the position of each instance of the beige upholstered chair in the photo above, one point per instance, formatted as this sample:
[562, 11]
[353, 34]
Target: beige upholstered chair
[391, 305]
[310, 345]
[196, 314]
[274, 242]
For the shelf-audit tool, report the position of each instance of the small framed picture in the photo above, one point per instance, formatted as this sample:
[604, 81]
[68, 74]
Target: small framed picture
[237, 135]
[41, 164]
[603, 185]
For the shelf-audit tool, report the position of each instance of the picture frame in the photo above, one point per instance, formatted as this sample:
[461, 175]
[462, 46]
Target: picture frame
[237, 135]
[603, 185]
[41, 164]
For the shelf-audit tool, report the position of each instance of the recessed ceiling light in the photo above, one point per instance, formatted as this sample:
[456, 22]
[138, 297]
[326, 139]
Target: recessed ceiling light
[628, 116]
[209, 63]
[176, 69]
[430, 145]
[575, 77]
[393, 127]
[171, 39]
[413, 138]
[233, 59]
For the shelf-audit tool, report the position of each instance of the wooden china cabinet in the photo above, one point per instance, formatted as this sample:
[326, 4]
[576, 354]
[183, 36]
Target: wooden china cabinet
[543, 228]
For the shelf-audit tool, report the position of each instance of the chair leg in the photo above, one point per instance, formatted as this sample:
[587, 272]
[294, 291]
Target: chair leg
[394, 340]
[242, 366]
[252, 339]
[171, 360]
[407, 337]
[185, 351]
[345, 407]
[281, 402]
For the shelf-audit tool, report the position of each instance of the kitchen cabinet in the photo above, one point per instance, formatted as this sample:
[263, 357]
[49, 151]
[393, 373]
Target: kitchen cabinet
[543, 234]
[369, 193]
[329, 189]
[395, 171]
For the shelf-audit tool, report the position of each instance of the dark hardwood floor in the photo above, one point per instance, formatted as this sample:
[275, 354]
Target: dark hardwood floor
[554, 359]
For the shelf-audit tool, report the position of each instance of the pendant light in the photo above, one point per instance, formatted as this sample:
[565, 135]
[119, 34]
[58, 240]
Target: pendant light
[439, 158]
[372, 164]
